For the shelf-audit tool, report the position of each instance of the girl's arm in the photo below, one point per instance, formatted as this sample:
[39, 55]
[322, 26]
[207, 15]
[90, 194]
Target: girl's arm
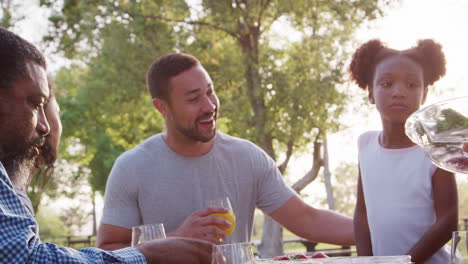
[361, 227]
[444, 188]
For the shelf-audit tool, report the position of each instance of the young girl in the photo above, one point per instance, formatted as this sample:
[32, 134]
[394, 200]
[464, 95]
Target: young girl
[405, 204]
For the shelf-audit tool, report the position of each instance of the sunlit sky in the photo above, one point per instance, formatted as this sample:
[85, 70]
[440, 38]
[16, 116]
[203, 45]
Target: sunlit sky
[401, 27]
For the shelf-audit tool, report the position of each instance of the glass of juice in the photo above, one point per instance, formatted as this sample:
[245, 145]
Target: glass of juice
[229, 216]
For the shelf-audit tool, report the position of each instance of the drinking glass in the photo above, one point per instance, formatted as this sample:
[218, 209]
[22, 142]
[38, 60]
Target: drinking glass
[143, 233]
[229, 216]
[458, 253]
[441, 129]
[238, 253]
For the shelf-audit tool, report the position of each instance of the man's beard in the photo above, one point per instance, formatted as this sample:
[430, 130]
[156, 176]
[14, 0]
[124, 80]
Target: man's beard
[193, 133]
[20, 163]
[19, 171]
[47, 155]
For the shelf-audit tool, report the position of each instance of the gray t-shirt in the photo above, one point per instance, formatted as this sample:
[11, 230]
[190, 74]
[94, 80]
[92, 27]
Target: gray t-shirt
[152, 184]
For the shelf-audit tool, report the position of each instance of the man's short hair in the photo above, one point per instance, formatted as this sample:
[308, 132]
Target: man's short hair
[163, 69]
[15, 52]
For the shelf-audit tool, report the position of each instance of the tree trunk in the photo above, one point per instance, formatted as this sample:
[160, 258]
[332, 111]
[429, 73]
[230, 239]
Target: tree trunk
[327, 175]
[272, 236]
[311, 175]
[272, 239]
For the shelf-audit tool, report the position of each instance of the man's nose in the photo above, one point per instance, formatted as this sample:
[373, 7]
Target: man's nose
[208, 105]
[43, 127]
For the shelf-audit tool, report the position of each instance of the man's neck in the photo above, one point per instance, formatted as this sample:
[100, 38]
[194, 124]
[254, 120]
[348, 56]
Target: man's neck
[187, 147]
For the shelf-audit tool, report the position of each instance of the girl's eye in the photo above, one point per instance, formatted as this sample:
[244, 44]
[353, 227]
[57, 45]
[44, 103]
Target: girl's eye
[385, 84]
[193, 99]
[413, 85]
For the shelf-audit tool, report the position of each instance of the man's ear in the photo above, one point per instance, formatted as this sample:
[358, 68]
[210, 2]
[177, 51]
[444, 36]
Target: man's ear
[162, 107]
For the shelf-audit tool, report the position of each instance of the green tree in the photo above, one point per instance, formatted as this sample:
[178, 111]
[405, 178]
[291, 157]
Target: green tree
[50, 225]
[41, 183]
[7, 13]
[106, 108]
[282, 98]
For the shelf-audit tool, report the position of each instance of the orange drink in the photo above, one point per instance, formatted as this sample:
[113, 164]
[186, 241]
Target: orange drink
[231, 218]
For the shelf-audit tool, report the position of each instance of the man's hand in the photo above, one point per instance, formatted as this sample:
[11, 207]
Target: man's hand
[202, 225]
[176, 250]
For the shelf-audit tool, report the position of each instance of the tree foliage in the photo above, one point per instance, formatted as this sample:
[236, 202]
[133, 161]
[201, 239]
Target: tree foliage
[8, 13]
[42, 183]
[285, 95]
[106, 108]
[50, 225]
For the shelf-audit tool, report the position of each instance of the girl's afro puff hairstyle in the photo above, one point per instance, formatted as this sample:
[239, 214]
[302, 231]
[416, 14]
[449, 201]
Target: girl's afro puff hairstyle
[427, 53]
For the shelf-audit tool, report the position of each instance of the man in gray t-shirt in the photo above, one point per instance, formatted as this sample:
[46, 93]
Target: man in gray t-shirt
[167, 178]
[153, 184]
